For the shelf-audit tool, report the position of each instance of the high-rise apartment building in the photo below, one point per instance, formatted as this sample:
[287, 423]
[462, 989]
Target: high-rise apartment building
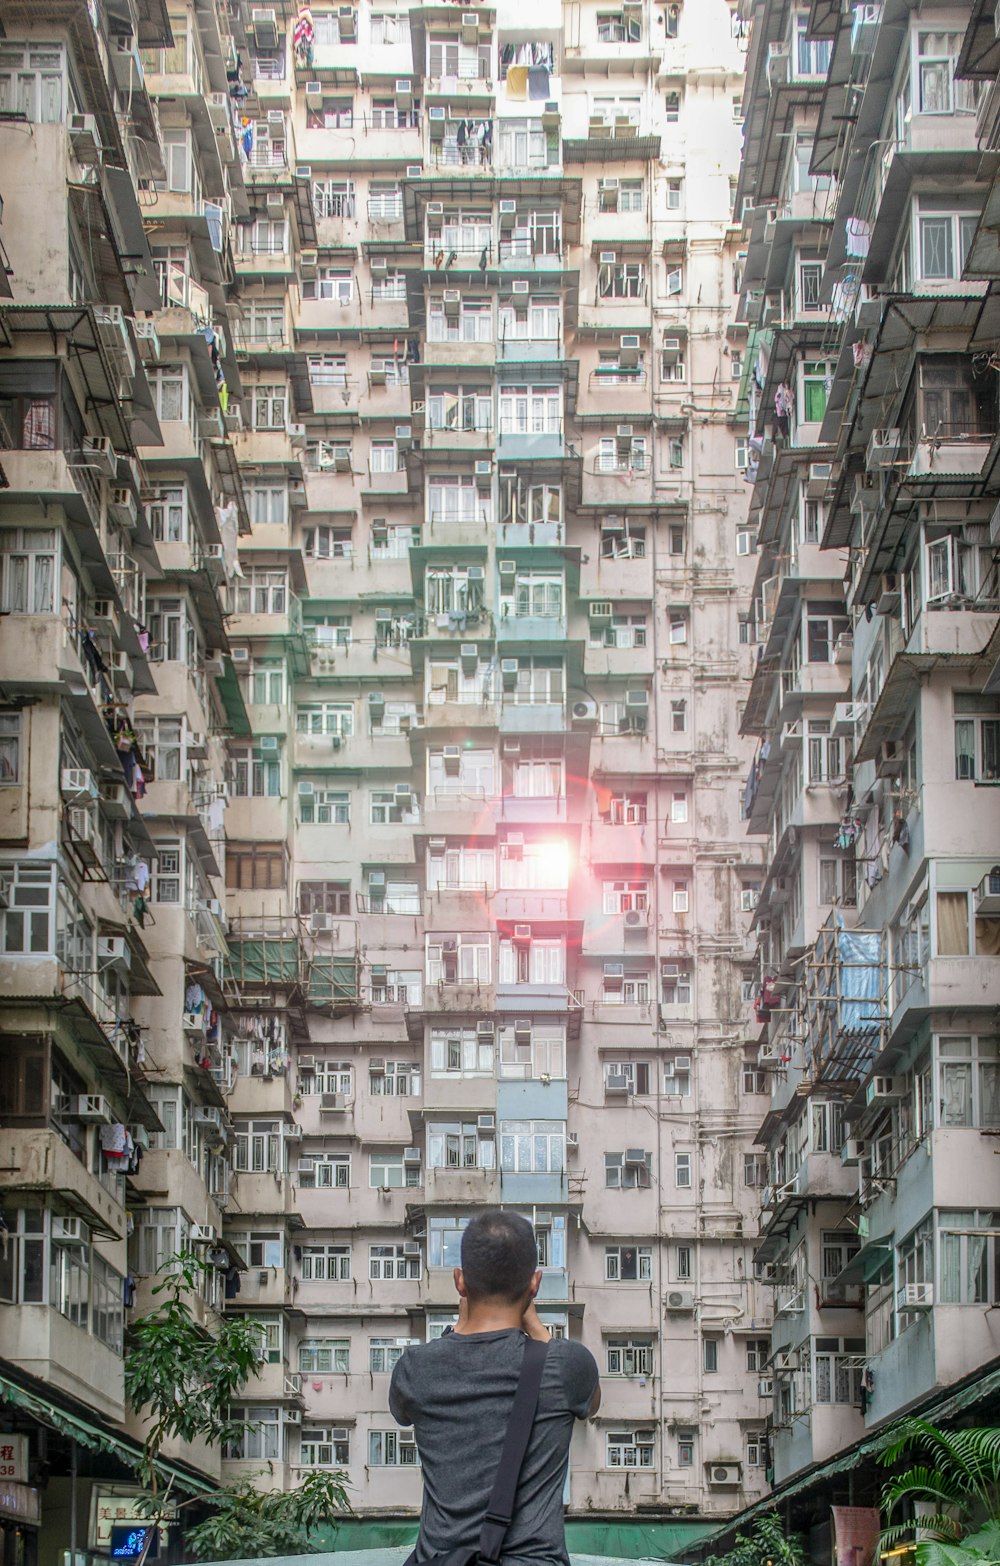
[867, 189]
[376, 584]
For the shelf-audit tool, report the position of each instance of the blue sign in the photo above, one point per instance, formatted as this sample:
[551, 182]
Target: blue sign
[128, 1542]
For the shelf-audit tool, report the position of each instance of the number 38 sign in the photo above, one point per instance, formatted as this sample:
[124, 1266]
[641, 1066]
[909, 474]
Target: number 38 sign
[14, 1458]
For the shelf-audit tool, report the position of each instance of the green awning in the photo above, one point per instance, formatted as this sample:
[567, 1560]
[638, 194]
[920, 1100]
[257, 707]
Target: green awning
[228, 687]
[938, 1408]
[868, 1263]
[96, 1437]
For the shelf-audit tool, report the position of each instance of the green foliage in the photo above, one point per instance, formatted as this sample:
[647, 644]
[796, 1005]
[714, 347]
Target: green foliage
[958, 1475]
[177, 1374]
[766, 1544]
[247, 1522]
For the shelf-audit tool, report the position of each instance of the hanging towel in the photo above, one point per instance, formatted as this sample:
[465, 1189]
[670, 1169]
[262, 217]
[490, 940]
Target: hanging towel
[538, 82]
[517, 81]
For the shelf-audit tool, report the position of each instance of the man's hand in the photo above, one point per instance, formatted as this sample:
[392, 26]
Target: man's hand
[533, 1325]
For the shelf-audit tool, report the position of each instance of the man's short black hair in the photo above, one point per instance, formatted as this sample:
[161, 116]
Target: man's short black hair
[499, 1256]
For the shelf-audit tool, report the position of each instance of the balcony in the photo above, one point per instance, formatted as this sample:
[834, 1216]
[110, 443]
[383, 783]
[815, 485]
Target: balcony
[952, 452]
[462, 1187]
[538, 444]
[40, 1162]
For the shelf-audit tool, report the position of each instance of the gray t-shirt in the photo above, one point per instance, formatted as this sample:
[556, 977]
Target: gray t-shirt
[457, 1393]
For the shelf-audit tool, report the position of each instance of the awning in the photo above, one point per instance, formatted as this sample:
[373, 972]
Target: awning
[228, 687]
[868, 1263]
[133, 246]
[92, 1434]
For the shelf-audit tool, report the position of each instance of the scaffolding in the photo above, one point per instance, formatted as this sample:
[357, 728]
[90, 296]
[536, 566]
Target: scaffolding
[275, 952]
[846, 1011]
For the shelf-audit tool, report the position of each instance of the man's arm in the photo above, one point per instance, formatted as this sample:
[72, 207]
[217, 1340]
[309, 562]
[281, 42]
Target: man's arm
[400, 1406]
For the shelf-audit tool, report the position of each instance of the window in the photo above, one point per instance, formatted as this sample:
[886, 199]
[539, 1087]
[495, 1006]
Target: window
[332, 283]
[625, 896]
[328, 543]
[624, 986]
[532, 1146]
[629, 1357]
[824, 624]
[943, 241]
[261, 1437]
[269, 406]
[324, 807]
[389, 1171]
[674, 190]
[710, 1356]
[685, 1448]
[530, 410]
[756, 1448]
[678, 808]
[618, 27]
[257, 1146]
[260, 1249]
[684, 1265]
[394, 1078]
[968, 1090]
[29, 559]
[812, 55]
[327, 1076]
[682, 1171]
[33, 81]
[815, 379]
[261, 867]
[330, 1172]
[385, 1353]
[331, 1263]
[969, 1262]
[327, 369]
[461, 1052]
[167, 512]
[681, 898]
[625, 631]
[621, 280]
[392, 1449]
[758, 1352]
[333, 198]
[627, 1171]
[27, 923]
[837, 1369]
[389, 28]
[754, 1078]
[677, 1076]
[10, 747]
[678, 717]
[675, 984]
[621, 539]
[394, 1263]
[628, 1263]
[938, 90]
[325, 1446]
[671, 107]
[262, 592]
[254, 775]
[977, 738]
[167, 872]
[630, 1448]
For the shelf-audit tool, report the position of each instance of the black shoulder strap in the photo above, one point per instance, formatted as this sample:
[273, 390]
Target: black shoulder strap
[522, 1417]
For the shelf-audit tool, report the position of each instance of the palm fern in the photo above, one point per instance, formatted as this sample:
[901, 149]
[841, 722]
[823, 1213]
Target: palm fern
[958, 1476]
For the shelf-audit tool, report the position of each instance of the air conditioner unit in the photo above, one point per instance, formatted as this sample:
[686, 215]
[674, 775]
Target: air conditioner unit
[614, 970]
[376, 1066]
[883, 447]
[404, 92]
[724, 1474]
[484, 469]
[91, 1108]
[276, 117]
[891, 758]
[414, 170]
[522, 1031]
[470, 27]
[508, 672]
[99, 453]
[68, 1228]
[819, 478]
[635, 919]
[411, 1155]
[303, 171]
[623, 432]
[915, 1296]
[452, 301]
[451, 755]
[671, 350]
[852, 1151]
[638, 699]
[84, 139]
[608, 257]
[332, 1103]
[202, 1234]
[522, 935]
[584, 712]
[572, 1140]
[292, 1416]
[306, 1064]
[617, 1082]
[521, 285]
[265, 29]
[600, 609]
[321, 923]
[113, 952]
[314, 89]
[866, 494]
[485, 1031]
[765, 1387]
[308, 261]
[628, 351]
[508, 215]
[486, 1122]
[436, 119]
[274, 201]
[305, 1166]
[77, 784]
[885, 1090]
[679, 1299]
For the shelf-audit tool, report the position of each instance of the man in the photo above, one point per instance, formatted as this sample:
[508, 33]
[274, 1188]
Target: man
[457, 1393]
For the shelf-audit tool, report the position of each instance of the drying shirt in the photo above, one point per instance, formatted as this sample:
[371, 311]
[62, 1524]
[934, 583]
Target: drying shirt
[457, 1394]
